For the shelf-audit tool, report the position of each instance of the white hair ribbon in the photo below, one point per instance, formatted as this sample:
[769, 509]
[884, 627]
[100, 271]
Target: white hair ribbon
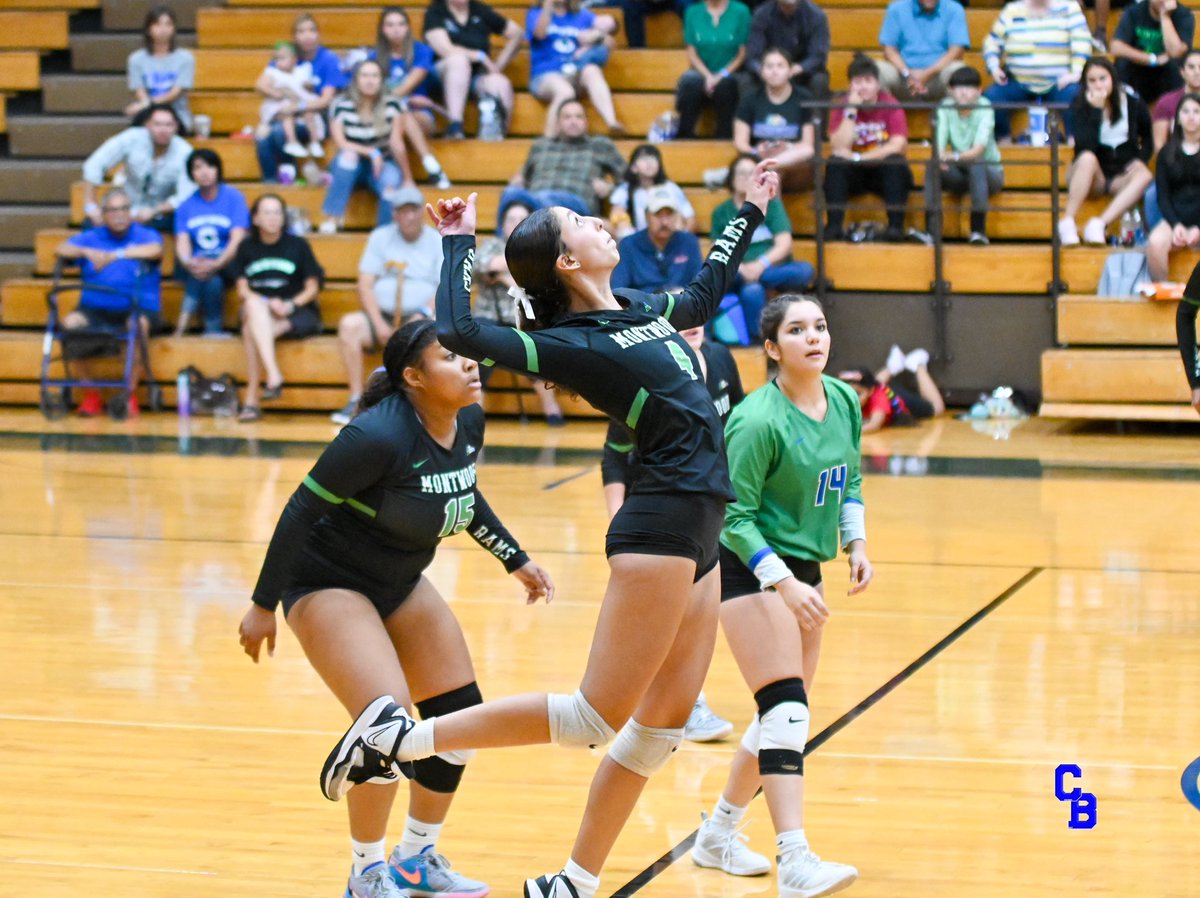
[521, 299]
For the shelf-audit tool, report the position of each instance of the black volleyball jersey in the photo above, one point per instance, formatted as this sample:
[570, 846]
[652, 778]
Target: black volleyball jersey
[381, 497]
[630, 363]
[619, 462]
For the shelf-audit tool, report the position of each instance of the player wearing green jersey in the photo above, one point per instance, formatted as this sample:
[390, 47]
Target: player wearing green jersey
[793, 448]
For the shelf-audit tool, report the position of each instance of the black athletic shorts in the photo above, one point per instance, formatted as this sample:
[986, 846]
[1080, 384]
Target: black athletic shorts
[680, 525]
[738, 580]
[314, 574]
[306, 322]
[114, 320]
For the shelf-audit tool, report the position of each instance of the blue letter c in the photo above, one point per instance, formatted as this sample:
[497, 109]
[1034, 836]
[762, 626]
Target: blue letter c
[1061, 772]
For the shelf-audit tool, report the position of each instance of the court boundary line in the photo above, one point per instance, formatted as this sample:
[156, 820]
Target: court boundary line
[648, 875]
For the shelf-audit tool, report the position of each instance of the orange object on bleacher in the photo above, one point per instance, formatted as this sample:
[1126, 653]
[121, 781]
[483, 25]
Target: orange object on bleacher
[1165, 290]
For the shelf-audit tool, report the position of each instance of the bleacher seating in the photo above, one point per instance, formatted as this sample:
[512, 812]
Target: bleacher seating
[233, 46]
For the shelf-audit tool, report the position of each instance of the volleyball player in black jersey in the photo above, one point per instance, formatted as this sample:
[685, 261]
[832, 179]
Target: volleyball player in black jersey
[346, 561]
[1185, 330]
[658, 621]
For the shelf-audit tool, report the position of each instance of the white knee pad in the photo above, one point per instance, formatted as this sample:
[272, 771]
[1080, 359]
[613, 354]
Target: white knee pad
[461, 758]
[753, 734]
[644, 750]
[783, 737]
[576, 723]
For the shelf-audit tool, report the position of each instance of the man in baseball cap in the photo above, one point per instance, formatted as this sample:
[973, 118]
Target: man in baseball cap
[660, 256]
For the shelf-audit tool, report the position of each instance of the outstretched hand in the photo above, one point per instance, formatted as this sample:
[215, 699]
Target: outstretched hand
[536, 581]
[764, 185]
[453, 216]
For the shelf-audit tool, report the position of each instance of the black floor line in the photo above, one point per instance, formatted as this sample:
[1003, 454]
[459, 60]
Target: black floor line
[646, 876]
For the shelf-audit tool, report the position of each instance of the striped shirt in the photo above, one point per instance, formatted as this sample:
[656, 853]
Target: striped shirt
[360, 130]
[1038, 49]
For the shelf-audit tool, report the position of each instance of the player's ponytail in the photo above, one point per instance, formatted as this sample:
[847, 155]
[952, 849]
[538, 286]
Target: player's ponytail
[532, 254]
[403, 351]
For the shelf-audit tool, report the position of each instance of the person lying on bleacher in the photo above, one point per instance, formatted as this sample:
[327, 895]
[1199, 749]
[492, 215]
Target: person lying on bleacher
[867, 143]
[154, 174]
[161, 72]
[798, 27]
[209, 226]
[662, 257]
[1149, 45]
[460, 33]
[574, 169]
[398, 275]
[122, 255]
[923, 44]
[325, 78]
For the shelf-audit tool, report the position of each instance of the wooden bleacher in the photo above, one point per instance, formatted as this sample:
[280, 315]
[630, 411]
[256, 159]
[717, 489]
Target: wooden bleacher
[233, 44]
[1119, 360]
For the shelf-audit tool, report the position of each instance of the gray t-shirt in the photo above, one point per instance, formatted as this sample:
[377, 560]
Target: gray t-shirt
[158, 74]
[422, 268]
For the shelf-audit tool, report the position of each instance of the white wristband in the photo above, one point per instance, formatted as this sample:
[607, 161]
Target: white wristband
[852, 522]
[769, 569]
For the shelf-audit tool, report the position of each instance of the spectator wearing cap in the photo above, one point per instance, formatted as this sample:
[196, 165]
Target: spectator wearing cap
[923, 44]
[768, 263]
[397, 278]
[661, 256]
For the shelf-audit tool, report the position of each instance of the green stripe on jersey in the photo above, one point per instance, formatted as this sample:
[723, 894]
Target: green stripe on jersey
[670, 306]
[329, 497]
[531, 359]
[635, 410]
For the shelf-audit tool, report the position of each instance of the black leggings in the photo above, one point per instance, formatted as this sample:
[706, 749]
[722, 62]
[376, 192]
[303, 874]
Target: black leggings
[889, 178]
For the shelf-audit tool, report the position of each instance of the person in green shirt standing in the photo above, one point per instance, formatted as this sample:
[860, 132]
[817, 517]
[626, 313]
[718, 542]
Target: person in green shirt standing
[969, 159]
[715, 34]
[768, 263]
[793, 449]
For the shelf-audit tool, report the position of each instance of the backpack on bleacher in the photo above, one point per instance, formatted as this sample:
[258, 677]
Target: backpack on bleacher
[1123, 272]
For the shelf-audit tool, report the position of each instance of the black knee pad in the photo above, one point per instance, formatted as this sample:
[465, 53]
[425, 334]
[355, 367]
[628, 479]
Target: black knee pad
[783, 721]
[443, 772]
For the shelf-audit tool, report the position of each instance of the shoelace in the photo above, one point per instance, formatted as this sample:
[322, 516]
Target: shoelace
[731, 839]
[379, 883]
[803, 854]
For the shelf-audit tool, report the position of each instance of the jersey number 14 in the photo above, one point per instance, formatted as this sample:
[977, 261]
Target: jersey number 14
[831, 479]
[459, 512]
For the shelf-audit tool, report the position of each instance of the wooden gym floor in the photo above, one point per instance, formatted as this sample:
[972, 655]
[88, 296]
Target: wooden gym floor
[1037, 602]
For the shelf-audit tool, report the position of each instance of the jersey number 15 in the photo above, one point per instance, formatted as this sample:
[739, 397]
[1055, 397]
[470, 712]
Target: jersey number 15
[459, 512]
[831, 479]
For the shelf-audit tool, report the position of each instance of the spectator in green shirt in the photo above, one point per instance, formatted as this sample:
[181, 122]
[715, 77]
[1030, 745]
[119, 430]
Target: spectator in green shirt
[768, 263]
[967, 155]
[715, 33]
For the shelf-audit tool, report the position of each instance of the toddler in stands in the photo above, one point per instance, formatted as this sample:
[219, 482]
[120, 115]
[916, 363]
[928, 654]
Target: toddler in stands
[290, 80]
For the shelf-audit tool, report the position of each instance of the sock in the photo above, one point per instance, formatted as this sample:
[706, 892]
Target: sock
[418, 836]
[585, 884]
[788, 842]
[978, 220]
[418, 742]
[726, 815]
[429, 161]
[364, 854]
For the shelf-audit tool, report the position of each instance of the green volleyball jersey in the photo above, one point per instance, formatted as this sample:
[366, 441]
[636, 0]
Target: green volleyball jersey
[791, 474]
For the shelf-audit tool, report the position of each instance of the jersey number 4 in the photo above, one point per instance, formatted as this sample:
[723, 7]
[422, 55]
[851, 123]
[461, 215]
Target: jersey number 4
[459, 512]
[682, 360]
[831, 479]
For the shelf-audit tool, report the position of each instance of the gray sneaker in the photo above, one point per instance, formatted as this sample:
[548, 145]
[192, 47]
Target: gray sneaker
[428, 875]
[345, 414]
[374, 882]
[705, 726]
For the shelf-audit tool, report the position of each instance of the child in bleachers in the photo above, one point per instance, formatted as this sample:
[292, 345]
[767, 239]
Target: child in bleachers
[629, 198]
[285, 86]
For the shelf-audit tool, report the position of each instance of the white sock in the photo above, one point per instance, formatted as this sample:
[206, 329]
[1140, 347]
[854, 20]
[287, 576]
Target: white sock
[364, 854]
[429, 161]
[418, 742]
[585, 884]
[726, 815]
[788, 842]
[418, 835]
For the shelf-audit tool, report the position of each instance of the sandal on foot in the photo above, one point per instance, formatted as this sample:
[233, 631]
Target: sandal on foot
[250, 413]
[270, 393]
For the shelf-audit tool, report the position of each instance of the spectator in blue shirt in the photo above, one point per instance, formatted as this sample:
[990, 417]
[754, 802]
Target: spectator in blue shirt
[117, 255]
[208, 228]
[923, 45]
[568, 46]
[326, 80]
[660, 257]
